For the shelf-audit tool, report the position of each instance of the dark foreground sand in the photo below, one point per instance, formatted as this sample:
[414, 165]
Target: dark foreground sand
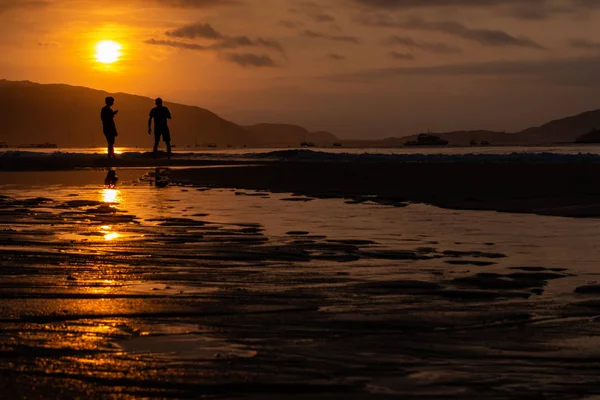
[570, 189]
[142, 294]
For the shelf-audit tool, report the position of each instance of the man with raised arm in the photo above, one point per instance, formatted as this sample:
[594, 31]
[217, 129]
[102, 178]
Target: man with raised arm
[160, 114]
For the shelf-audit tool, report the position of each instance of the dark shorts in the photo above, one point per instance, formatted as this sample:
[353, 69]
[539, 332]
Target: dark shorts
[110, 138]
[166, 135]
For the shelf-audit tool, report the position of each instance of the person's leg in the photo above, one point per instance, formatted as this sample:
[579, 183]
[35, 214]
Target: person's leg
[155, 148]
[167, 140]
[111, 149]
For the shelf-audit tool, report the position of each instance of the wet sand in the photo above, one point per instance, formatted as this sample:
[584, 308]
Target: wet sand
[23, 161]
[544, 184]
[184, 293]
[570, 189]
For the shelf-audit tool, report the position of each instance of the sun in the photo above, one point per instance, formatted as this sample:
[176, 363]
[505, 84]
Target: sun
[108, 52]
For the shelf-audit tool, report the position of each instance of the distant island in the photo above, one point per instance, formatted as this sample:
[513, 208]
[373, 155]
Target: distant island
[68, 116]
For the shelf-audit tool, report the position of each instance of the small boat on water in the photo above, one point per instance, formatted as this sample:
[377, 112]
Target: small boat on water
[212, 145]
[337, 145]
[307, 144]
[425, 139]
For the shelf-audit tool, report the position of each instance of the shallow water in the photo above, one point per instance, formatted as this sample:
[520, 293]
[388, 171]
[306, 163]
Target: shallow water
[450, 150]
[182, 291]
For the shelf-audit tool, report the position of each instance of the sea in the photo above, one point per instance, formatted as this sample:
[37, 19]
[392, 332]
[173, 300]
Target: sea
[574, 149]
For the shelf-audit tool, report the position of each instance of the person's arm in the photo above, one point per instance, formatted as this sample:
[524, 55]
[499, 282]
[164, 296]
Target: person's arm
[150, 123]
[169, 114]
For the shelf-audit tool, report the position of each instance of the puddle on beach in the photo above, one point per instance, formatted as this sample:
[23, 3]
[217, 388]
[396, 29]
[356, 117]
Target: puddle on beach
[173, 291]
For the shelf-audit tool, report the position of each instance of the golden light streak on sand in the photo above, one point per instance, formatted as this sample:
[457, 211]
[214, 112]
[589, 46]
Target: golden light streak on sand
[112, 236]
[110, 196]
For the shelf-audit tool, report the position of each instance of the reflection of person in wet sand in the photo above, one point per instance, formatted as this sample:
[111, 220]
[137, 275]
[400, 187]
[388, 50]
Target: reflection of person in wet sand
[161, 128]
[108, 125]
[111, 179]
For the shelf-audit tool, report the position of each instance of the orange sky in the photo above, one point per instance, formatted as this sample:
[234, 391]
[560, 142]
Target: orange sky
[359, 68]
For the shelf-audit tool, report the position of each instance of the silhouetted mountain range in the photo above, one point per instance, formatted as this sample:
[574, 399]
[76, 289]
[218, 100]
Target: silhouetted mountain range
[70, 117]
[565, 130]
[281, 134]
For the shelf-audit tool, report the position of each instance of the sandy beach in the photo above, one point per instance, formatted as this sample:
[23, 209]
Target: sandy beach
[197, 290]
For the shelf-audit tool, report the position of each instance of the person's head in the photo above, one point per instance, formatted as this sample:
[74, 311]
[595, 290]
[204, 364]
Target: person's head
[109, 101]
[158, 102]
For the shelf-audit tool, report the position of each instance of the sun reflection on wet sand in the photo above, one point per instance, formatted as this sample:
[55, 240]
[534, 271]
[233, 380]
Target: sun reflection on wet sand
[111, 236]
[111, 196]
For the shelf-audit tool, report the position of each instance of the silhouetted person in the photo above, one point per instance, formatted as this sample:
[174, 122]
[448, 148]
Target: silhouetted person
[108, 125]
[111, 179]
[161, 128]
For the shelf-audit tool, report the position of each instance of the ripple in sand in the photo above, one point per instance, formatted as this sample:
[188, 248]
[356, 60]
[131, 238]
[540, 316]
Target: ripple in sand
[470, 262]
[589, 289]
[298, 199]
[186, 347]
[474, 254]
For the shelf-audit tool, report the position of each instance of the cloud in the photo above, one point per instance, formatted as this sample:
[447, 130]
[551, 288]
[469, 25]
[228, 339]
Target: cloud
[6, 5]
[176, 44]
[201, 30]
[244, 41]
[521, 9]
[197, 3]
[196, 30]
[314, 11]
[437, 48]
[225, 44]
[48, 44]
[250, 60]
[584, 44]
[336, 57]
[321, 35]
[401, 56]
[485, 37]
[577, 71]
[291, 24]
[407, 4]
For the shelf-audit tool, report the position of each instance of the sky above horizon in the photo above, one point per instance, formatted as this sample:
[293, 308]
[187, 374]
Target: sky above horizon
[357, 68]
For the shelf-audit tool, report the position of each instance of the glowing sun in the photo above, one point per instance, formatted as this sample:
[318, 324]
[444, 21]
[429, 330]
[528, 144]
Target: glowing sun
[108, 52]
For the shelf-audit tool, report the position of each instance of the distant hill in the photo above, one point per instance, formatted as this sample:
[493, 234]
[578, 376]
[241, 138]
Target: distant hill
[565, 130]
[70, 117]
[283, 134]
[592, 136]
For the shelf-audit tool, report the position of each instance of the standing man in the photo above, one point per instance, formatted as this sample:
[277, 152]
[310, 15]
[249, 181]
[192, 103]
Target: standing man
[161, 128]
[108, 125]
